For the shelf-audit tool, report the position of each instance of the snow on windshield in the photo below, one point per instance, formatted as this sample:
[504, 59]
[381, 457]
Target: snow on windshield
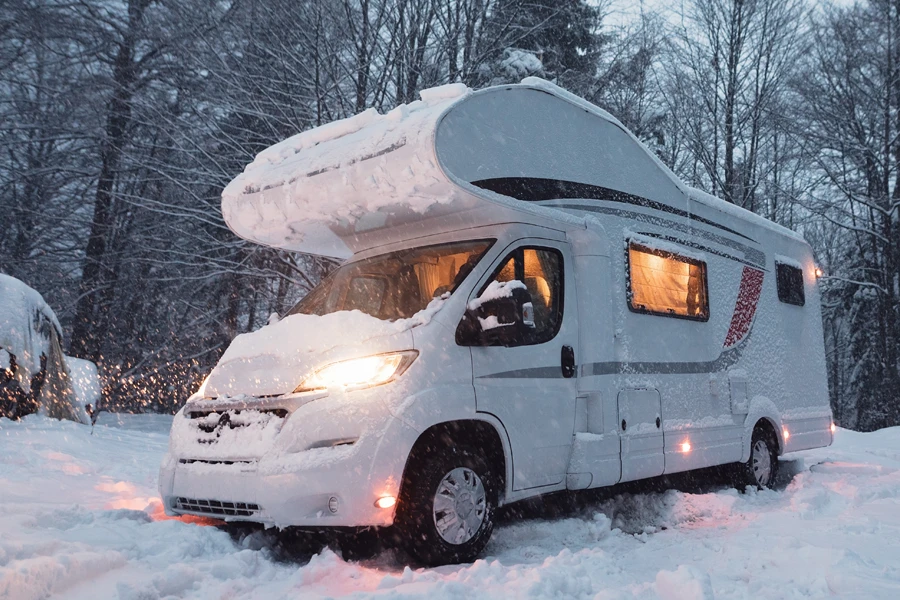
[362, 300]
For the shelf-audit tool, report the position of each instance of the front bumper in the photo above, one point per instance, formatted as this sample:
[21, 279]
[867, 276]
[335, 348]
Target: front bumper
[289, 479]
[332, 487]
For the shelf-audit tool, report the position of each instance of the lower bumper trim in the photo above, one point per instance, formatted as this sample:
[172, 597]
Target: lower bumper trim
[215, 508]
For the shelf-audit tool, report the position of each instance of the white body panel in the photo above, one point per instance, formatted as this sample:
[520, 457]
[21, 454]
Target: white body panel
[522, 166]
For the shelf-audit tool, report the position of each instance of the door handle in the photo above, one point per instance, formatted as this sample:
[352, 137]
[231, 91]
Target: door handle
[623, 424]
[567, 360]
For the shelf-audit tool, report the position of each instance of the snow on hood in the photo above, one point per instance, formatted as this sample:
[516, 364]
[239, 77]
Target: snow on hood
[276, 358]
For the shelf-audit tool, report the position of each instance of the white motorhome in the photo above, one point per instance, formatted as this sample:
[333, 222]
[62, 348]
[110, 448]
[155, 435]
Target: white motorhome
[530, 302]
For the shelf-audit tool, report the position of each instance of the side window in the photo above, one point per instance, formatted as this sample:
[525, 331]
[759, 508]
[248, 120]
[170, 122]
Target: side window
[541, 272]
[666, 284]
[789, 281]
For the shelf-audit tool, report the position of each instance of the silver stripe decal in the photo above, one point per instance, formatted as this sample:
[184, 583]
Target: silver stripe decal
[532, 373]
[725, 360]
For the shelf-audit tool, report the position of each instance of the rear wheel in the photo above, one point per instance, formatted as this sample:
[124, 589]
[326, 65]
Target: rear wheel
[446, 510]
[761, 468]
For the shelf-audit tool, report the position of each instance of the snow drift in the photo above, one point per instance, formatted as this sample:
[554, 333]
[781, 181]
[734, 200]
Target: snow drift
[79, 520]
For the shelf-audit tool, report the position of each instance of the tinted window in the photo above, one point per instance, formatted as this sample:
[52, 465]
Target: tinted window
[666, 284]
[789, 280]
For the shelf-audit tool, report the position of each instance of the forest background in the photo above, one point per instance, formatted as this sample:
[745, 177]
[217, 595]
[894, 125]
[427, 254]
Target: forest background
[122, 120]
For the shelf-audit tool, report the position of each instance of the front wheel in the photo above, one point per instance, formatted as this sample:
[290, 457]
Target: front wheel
[446, 510]
[762, 467]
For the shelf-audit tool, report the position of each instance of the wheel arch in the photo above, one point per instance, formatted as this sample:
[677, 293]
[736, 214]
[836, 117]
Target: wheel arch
[762, 414]
[481, 433]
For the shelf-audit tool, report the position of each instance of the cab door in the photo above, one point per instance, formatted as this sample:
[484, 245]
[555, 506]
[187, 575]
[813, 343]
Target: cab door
[528, 381]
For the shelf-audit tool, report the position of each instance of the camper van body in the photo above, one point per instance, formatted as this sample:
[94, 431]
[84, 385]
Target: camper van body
[615, 391]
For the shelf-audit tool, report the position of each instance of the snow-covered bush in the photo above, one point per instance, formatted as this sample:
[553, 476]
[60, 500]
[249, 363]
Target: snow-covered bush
[34, 375]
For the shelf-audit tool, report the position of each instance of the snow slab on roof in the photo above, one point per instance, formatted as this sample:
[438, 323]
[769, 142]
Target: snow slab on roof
[742, 213]
[342, 175]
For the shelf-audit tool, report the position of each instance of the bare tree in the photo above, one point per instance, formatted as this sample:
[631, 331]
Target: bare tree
[726, 84]
[852, 94]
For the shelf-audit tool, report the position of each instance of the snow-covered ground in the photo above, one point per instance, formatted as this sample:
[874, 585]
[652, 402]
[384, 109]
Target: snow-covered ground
[79, 518]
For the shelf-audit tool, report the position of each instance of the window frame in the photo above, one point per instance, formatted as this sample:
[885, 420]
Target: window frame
[519, 253]
[784, 296]
[629, 290]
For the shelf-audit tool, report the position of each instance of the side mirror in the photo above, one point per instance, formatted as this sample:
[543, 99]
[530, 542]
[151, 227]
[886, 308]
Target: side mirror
[498, 320]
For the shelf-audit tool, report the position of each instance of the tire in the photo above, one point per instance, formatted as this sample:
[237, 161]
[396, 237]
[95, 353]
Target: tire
[761, 469]
[446, 510]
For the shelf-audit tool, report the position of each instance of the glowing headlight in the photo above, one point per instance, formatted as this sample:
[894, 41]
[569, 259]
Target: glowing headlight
[201, 391]
[359, 373]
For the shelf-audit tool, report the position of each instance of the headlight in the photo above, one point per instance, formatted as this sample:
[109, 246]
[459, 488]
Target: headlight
[201, 392]
[359, 373]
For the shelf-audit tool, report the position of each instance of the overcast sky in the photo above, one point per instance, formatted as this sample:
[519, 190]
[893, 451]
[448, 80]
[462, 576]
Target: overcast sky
[624, 11]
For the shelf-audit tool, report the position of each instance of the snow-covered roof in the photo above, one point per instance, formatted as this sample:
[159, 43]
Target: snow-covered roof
[345, 186]
[742, 213]
[296, 193]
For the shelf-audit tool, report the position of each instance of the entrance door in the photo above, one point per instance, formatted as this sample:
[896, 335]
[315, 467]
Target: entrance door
[529, 382]
[640, 429]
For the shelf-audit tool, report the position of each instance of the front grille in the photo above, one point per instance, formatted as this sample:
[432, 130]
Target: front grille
[210, 424]
[278, 412]
[216, 508]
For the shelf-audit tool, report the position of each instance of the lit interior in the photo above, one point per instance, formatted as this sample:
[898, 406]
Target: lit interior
[667, 284]
[436, 273]
[536, 278]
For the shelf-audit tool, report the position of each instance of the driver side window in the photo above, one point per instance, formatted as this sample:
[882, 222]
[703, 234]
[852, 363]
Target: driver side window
[541, 272]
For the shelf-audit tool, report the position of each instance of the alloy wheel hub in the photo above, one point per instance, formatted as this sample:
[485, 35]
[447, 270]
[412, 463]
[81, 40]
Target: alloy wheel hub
[460, 505]
[762, 463]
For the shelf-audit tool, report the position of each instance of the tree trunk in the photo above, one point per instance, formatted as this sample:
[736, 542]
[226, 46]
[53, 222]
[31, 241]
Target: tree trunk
[90, 311]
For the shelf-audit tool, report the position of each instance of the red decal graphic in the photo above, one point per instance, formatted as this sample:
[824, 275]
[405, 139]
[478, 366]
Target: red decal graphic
[745, 308]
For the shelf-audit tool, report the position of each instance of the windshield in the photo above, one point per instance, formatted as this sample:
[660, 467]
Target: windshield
[396, 285]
